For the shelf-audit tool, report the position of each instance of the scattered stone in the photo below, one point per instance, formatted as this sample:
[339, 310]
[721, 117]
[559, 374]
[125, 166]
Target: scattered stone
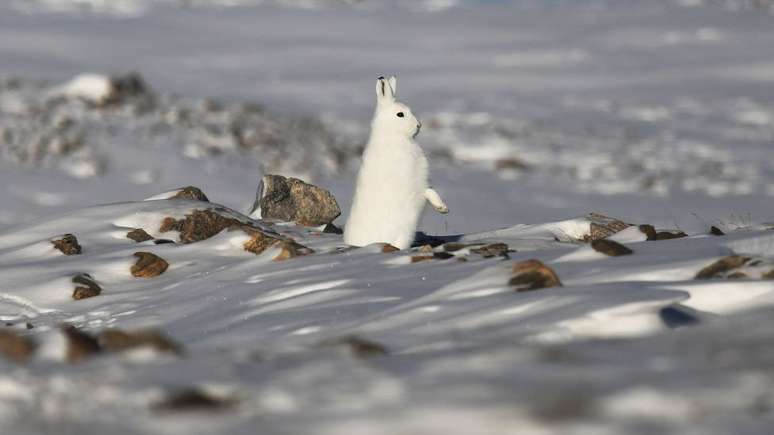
[292, 200]
[148, 265]
[669, 235]
[649, 231]
[138, 235]
[721, 266]
[332, 229]
[511, 164]
[68, 244]
[533, 275]
[453, 246]
[80, 345]
[360, 347]
[192, 399]
[715, 231]
[116, 340]
[493, 250]
[610, 248]
[163, 241]
[290, 249]
[420, 258]
[387, 248]
[127, 87]
[87, 287]
[603, 226]
[190, 192]
[442, 255]
[16, 347]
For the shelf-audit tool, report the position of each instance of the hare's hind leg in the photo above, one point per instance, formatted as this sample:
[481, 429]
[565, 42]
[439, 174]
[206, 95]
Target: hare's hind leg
[435, 200]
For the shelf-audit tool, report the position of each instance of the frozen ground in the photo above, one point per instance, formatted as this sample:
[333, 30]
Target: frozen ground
[534, 112]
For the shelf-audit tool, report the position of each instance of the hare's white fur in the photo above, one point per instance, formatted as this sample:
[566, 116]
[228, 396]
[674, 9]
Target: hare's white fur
[392, 185]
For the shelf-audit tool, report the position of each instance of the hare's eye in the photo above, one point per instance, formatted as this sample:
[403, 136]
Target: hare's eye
[400, 114]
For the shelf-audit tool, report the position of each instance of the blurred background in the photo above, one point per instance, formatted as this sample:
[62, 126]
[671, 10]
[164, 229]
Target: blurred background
[654, 111]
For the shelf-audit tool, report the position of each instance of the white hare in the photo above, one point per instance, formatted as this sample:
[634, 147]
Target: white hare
[392, 185]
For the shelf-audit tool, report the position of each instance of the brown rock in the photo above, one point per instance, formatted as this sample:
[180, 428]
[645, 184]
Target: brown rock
[420, 258]
[611, 248]
[16, 347]
[138, 235]
[387, 248]
[442, 255]
[192, 399]
[292, 200]
[86, 287]
[190, 192]
[669, 235]
[453, 247]
[290, 249]
[68, 244]
[148, 265]
[80, 345]
[116, 340]
[493, 250]
[768, 275]
[721, 266]
[532, 275]
[737, 275]
[358, 346]
[603, 226]
[332, 229]
[258, 242]
[649, 231]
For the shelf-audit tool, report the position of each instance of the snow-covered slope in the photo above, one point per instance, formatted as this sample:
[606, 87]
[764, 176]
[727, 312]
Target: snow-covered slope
[366, 341]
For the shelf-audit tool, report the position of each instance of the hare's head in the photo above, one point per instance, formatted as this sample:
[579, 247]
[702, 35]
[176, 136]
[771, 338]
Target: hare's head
[392, 116]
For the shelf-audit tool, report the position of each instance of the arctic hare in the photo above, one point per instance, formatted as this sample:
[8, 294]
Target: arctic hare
[392, 185]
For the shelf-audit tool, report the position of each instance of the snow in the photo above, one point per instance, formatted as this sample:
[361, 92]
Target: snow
[534, 114]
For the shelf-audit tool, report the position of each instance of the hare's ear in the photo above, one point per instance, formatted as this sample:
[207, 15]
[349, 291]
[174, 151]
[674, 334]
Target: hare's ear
[393, 81]
[383, 91]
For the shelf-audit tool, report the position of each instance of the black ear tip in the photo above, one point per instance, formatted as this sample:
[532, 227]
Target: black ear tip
[380, 78]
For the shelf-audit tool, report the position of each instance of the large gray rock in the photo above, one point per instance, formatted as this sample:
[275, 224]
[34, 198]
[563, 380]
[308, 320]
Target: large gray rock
[292, 200]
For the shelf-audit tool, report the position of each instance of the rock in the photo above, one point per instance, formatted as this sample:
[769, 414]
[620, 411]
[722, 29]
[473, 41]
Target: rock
[511, 164]
[737, 275]
[715, 231]
[116, 340]
[16, 347]
[493, 250]
[610, 248]
[332, 229]
[290, 249]
[138, 235]
[442, 255]
[292, 200]
[163, 242]
[87, 287]
[358, 346]
[192, 399]
[425, 249]
[420, 258]
[649, 231]
[127, 86]
[190, 192]
[387, 248]
[721, 266]
[669, 235]
[80, 345]
[768, 275]
[533, 275]
[453, 246]
[148, 265]
[603, 226]
[68, 244]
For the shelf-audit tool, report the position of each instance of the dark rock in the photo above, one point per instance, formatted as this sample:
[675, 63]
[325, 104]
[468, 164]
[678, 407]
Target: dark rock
[116, 340]
[332, 229]
[453, 246]
[721, 266]
[511, 164]
[768, 275]
[611, 248]
[669, 235]
[649, 231]
[68, 244]
[292, 200]
[190, 192]
[493, 250]
[16, 347]
[420, 258]
[290, 249]
[678, 316]
[603, 226]
[192, 399]
[737, 275]
[358, 346]
[715, 231]
[148, 265]
[138, 235]
[80, 345]
[532, 275]
[163, 241]
[127, 87]
[87, 287]
[442, 255]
